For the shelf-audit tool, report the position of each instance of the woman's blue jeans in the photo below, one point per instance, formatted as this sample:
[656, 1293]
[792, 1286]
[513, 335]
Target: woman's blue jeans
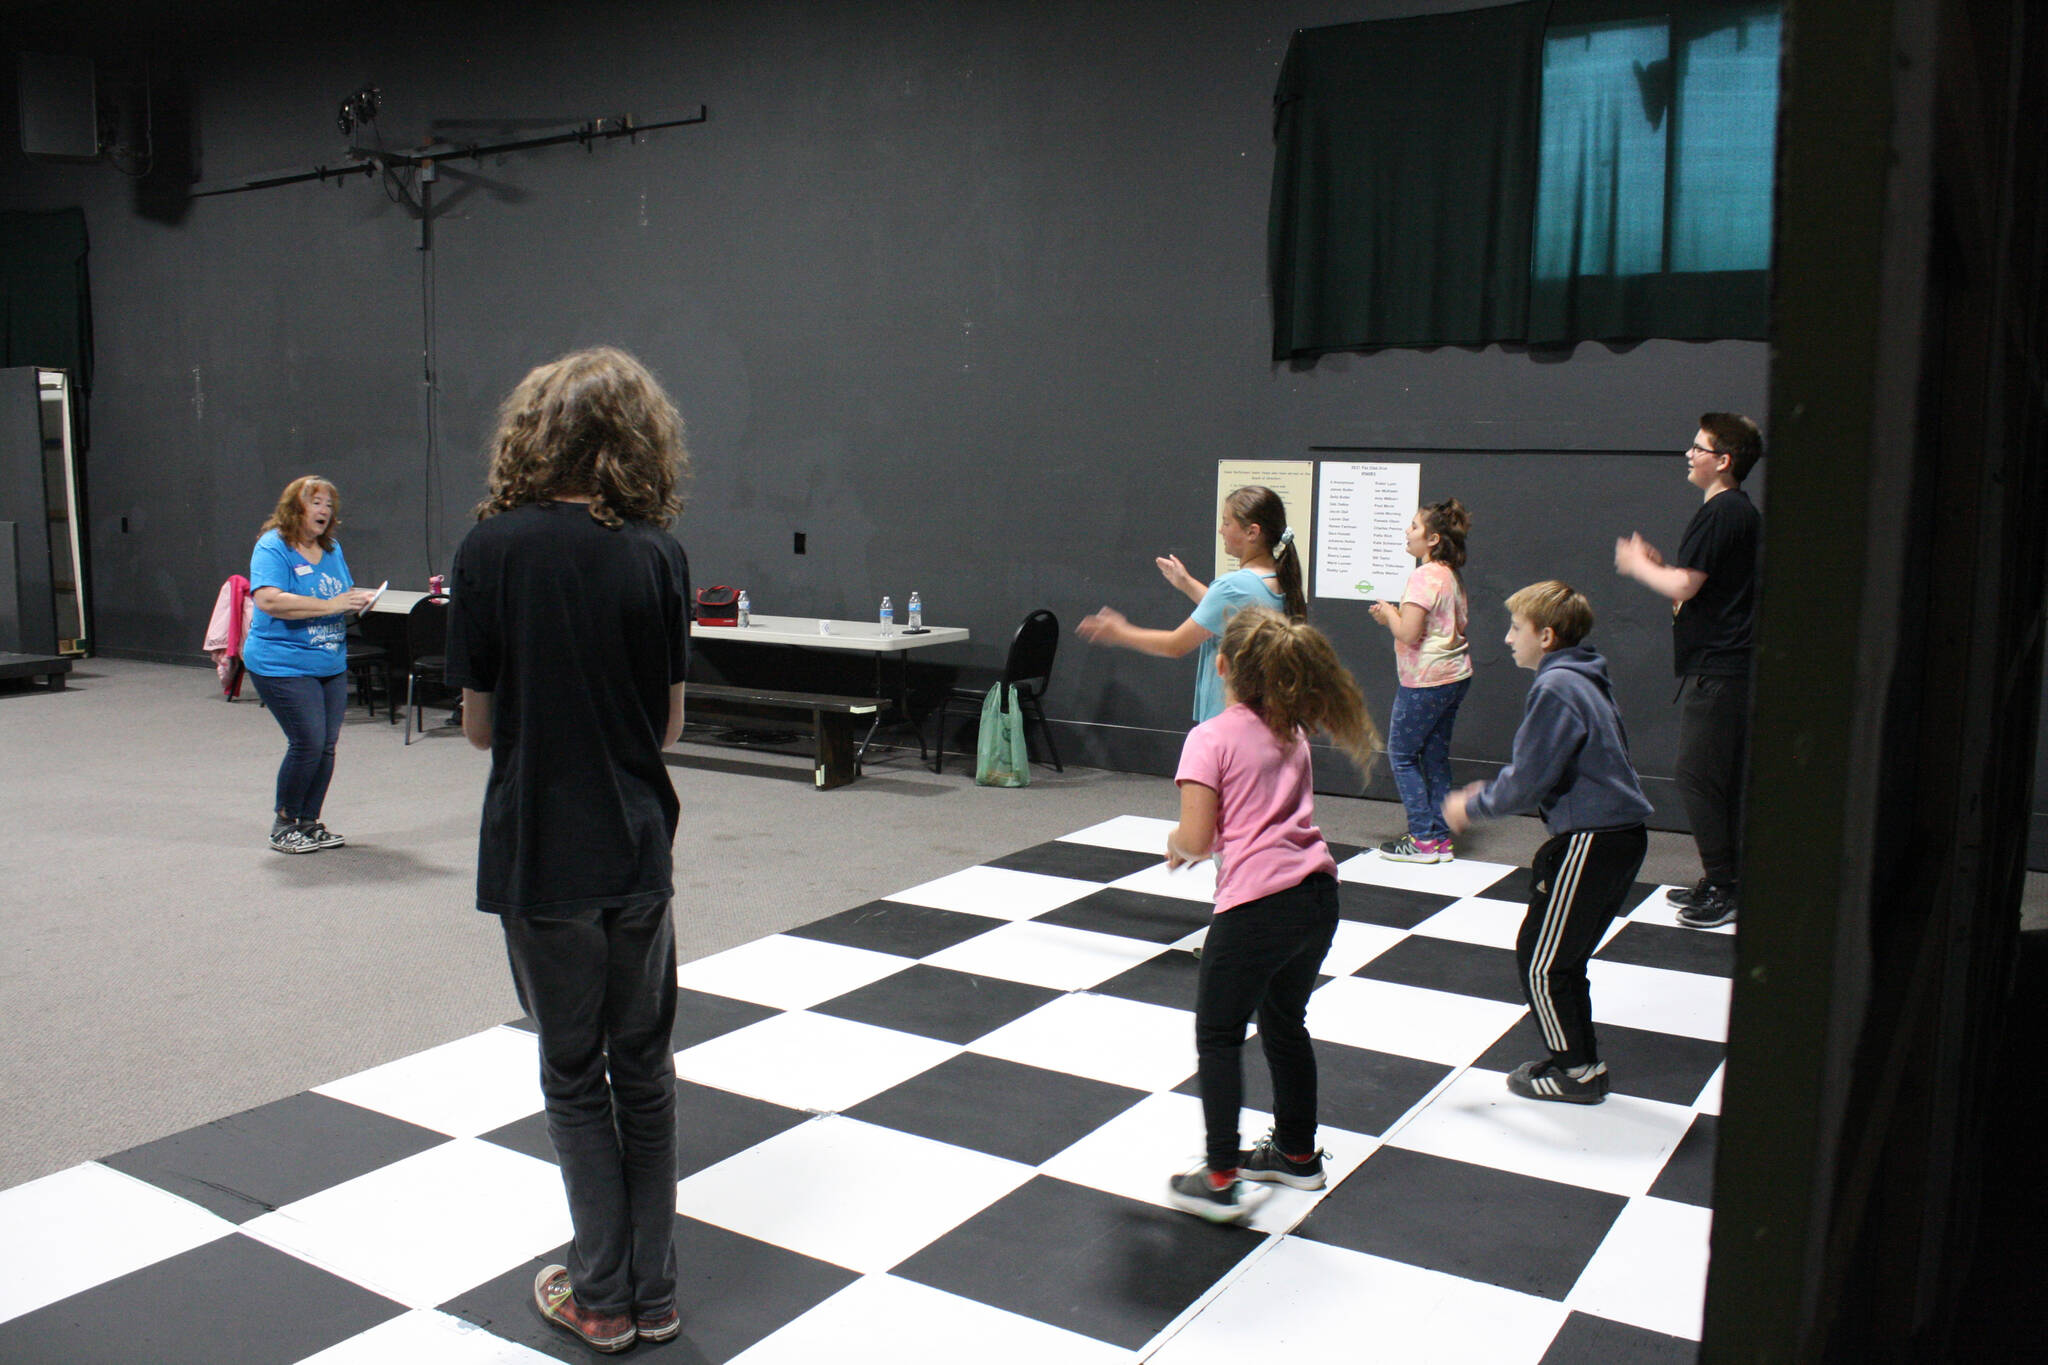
[1419, 752]
[309, 711]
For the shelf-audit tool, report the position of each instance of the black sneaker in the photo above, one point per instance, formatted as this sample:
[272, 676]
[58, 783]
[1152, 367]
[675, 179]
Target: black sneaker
[322, 836]
[291, 837]
[1192, 1193]
[1546, 1080]
[1267, 1162]
[1713, 908]
[1682, 896]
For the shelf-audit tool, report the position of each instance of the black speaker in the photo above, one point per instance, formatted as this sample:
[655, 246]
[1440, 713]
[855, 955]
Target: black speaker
[59, 106]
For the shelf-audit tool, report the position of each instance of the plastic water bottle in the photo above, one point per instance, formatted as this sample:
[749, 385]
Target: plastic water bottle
[916, 610]
[746, 610]
[888, 617]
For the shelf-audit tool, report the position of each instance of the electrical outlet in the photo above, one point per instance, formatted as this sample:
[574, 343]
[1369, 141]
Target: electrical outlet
[799, 542]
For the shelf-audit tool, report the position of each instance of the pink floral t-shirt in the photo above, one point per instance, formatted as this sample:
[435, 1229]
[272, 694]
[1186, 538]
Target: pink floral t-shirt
[1442, 655]
[1266, 835]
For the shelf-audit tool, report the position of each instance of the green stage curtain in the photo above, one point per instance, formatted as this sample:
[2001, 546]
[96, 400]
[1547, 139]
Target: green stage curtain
[1404, 180]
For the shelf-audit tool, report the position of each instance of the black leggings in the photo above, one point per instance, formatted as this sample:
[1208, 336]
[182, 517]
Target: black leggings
[1261, 958]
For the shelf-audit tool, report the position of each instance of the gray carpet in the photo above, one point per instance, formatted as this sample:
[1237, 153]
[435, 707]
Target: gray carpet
[166, 968]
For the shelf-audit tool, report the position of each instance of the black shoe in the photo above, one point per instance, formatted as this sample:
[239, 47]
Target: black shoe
[1682, 896]
[289, 836]
[1192, 1193]
[1267, 1162]
[1546, 1080]
[1713, 908]
[322, 836]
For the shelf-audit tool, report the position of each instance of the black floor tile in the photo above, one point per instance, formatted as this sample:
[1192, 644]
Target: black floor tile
[1585, 1339]
[1442, 964]
[1515, 1231]
[731, 1292]
[1083, 862]
[1648, 1065]
[250, 1163]
[711, 1125]
[937, 1002]
[233, 1299]
[1356, 1089]
[1167, 979]
[1688, 1176]
[1133, 914]
[1099, 1264]
[893, 927]
[1000, 1107]
[1676, 950]
[1391, 906]
[700, 1017]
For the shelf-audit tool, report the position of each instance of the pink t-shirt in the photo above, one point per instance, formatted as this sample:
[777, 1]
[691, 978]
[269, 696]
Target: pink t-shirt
[1442, 654]
[1266, 833]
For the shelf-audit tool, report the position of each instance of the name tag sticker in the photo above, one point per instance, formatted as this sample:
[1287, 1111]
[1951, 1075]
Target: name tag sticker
[302, 569]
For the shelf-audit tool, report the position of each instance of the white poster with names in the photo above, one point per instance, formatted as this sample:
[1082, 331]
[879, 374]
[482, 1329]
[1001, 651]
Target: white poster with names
[1362, 529]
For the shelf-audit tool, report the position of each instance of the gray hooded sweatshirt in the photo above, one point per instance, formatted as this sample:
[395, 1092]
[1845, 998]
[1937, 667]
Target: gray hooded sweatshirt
[1571, 753]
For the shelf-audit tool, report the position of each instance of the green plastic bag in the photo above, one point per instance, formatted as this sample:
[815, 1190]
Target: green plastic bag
[1003, 760]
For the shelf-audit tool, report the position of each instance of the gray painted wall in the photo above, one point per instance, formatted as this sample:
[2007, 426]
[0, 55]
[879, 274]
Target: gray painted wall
[973, 295]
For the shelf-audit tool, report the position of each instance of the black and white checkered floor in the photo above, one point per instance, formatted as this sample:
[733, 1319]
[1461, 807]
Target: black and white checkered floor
[938, 1127]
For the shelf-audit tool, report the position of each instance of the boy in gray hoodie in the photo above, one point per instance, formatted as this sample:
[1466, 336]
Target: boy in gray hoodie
[1571, 764]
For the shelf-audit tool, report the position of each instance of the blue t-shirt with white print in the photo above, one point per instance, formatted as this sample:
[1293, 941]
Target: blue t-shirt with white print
[312, 646]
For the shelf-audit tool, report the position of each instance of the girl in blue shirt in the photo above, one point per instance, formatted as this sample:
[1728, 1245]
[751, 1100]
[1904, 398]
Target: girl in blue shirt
[297, 651]
[1255, 533]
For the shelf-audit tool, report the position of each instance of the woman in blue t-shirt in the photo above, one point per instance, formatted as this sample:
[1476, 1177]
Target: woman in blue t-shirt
[297, 651]
[1268, 574]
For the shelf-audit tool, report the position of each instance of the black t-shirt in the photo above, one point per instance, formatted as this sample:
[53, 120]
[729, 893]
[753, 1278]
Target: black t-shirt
[576, 630]
[1712, 633]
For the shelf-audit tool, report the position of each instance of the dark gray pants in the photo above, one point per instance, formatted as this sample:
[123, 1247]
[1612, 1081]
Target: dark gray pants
[601, 986]
[1713, 744]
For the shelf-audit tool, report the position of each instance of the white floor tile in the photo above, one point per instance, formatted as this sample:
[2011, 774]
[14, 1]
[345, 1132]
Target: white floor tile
[1463, 877]
[1709, 1101]
[811, 1061]
[1651, 1272]
[1192, 882]
[426, 1228]
[998, 892]
[463, 1088]
[1685, 1003]
[1409, 1021]
[881, 1320]
[847, 1192]
[1619, 1146]
[426, 1335]
[80, 1227]
[788, 972]
[1307, 1301]
[1046, 955]
[1135, 833]
[1139, 1150]
[1357, 944]
[1477, 920]
[1124, 1042]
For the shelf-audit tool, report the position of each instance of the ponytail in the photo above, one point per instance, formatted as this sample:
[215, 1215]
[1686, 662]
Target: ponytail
[1256, 505]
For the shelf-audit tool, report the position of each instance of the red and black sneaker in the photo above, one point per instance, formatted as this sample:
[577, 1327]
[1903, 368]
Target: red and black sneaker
[606, 1332]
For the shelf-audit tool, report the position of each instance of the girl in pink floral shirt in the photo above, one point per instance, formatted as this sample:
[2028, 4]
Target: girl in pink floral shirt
[1435, 665]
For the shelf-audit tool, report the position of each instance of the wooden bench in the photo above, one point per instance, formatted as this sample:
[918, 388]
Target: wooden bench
[831, 721]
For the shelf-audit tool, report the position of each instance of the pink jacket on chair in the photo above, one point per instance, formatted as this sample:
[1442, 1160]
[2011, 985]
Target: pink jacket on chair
[232, 611]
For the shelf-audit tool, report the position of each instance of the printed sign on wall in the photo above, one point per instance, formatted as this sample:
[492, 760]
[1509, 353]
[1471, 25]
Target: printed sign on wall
[1362, 522]
[1293, 480]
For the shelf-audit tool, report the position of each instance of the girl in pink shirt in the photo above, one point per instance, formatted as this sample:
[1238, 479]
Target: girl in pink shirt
[1246, 793]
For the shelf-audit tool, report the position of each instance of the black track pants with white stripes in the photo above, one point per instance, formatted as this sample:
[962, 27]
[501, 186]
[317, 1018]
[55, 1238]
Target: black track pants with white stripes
[1578, 883]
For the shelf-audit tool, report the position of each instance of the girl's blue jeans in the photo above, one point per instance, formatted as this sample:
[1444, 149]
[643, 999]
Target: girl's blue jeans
[1419, 752]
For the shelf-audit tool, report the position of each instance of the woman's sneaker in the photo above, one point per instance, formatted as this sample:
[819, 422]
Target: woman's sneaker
[289, 836]
[1682, 896]
[607, 1332]
[1408, 849]
[322, 836]
[1712, 908]
[1195, 1193]
[1268, 1163]
[657, 1326]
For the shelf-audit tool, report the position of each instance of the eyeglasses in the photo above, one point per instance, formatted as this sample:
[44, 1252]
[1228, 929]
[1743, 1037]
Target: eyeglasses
[1697, 449]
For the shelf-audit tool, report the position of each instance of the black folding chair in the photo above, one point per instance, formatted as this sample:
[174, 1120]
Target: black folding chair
[1028, 669]
[426, 645]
